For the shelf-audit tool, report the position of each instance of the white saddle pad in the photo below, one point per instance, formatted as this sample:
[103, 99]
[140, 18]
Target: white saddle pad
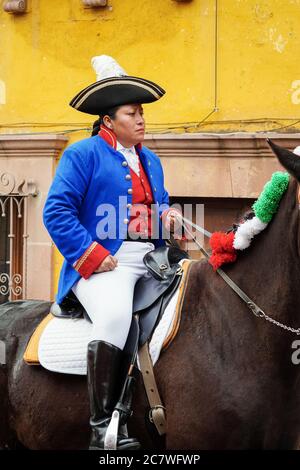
[63, 343]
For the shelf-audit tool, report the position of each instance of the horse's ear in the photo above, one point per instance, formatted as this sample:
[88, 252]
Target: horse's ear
[289, 160]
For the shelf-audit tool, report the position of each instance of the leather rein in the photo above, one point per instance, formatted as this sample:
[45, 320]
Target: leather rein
[254, 308]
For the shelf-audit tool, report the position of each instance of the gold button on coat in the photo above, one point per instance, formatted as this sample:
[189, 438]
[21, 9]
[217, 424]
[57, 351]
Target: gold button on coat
[128, 177]
[126, 221]
[124, 164]
[129, 191]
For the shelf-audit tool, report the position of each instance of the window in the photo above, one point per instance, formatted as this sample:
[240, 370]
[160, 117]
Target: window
[12, 245]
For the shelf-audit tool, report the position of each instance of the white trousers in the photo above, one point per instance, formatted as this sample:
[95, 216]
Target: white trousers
[108, 296]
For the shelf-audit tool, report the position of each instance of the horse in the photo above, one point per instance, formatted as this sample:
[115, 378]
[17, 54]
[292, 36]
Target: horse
[227, 380]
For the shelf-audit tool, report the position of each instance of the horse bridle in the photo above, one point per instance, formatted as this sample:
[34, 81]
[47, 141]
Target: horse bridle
[255, 309]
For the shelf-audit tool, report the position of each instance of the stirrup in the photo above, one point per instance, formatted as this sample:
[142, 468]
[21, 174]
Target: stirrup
[111, 435]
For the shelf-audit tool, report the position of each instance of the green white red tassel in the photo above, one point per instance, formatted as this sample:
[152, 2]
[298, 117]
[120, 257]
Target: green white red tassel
[225, 245]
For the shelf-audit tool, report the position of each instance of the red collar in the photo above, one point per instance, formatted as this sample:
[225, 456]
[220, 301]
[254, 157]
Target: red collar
[110, 137]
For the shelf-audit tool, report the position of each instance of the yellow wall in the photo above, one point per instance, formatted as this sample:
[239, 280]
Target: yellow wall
[45, 60]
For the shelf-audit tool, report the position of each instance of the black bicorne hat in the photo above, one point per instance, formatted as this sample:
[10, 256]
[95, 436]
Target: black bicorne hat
[114, 88]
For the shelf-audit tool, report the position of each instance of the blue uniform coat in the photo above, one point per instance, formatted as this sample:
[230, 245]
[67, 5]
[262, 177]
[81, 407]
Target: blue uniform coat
[90, 173]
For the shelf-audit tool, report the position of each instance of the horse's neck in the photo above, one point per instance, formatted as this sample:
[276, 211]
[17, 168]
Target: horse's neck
[269, 271]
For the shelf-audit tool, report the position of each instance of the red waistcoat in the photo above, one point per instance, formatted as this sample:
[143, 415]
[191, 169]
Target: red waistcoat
[142, 197]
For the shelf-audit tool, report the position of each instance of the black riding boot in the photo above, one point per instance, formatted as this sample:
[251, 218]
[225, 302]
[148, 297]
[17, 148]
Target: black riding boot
[103, 373]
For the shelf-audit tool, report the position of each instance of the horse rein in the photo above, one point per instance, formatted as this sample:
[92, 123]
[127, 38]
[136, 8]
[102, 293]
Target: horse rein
[255, 309]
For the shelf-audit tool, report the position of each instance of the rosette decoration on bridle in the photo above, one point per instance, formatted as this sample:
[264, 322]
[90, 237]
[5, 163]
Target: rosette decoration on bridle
[226, 245]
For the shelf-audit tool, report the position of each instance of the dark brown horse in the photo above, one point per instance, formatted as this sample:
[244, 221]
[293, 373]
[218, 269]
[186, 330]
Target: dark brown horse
[227, 381]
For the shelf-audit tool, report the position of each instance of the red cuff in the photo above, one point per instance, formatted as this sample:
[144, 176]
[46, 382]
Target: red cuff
[91, 259]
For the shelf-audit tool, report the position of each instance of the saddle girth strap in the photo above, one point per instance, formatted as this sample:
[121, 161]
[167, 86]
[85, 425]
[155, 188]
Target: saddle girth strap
[157, 410]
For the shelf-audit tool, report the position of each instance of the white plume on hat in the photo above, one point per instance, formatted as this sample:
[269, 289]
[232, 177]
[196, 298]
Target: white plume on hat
[106, 66]
[297, 150]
